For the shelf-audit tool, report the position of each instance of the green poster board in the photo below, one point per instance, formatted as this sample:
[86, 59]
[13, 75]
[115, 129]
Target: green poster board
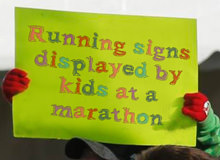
[108, 78]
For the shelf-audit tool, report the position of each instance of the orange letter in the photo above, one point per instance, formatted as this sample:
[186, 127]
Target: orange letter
[175, 77]
[91, 113]
[184, 54]
[119, 45]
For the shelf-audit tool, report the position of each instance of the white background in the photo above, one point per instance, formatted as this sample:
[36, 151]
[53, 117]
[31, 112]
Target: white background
[207, 13]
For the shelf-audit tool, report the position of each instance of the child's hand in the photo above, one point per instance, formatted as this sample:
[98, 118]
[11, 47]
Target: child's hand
[15, 81]
[196, 105]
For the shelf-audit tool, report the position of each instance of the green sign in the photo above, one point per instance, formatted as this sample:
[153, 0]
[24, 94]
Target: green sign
[109, 78]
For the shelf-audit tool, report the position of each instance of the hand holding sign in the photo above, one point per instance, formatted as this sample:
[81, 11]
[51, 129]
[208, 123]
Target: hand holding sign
[196, 105]
[15, 81]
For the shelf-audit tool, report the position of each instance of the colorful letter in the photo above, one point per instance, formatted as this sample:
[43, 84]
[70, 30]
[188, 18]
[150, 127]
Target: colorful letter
[80, 113]
[104, 115]
[133, 93]
[102, 91]
[53, 61]
[44, 57]
[69, 36]
[132, 120]
[64, 62]
[115, 112]
[38, 33]
[101, 67]
[104, 42]
[91, 111]
[90, 64]
[174, 50]
[95, 41]
[143, 73]
[175, 77]
[159, 71]
[115, 70]
[56, 39]
[151, 96]
[83, 38]
[143, 120]
[62, 109]
[156, 57]
[90, 91]
[157, 116]
[64, 87]
[128, 69]
[119, 45]
[184, 54]
[76, 66]
[121, 94]
[78, 86]
[149, 48]
[139, 48]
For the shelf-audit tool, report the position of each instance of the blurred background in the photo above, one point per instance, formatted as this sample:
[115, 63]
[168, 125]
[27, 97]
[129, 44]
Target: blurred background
[206, 12]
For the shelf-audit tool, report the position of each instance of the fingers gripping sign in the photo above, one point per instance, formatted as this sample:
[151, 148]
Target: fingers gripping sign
[15, 81]
[196, 105]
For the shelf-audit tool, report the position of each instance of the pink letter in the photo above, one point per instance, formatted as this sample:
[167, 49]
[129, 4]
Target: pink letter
[64, 86]
[38, 34]
[115, 70]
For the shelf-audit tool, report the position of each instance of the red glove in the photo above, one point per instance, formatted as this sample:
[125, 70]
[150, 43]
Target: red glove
[14, 82]
[196, 106]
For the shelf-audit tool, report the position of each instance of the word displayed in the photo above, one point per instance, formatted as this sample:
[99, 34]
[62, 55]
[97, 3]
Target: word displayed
[79, 65]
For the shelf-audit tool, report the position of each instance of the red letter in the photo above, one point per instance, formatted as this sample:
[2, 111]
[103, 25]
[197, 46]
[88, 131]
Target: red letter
[119, 45]
[83, 38]
[53, 64]
[101, 68]
[78, 86]
[91, 113]
[184, 54]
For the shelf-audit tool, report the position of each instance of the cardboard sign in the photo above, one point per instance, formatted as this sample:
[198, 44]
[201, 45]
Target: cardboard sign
[108, 78]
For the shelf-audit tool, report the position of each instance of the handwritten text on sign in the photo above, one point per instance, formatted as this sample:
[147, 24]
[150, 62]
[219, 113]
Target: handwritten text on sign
[106, 73]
